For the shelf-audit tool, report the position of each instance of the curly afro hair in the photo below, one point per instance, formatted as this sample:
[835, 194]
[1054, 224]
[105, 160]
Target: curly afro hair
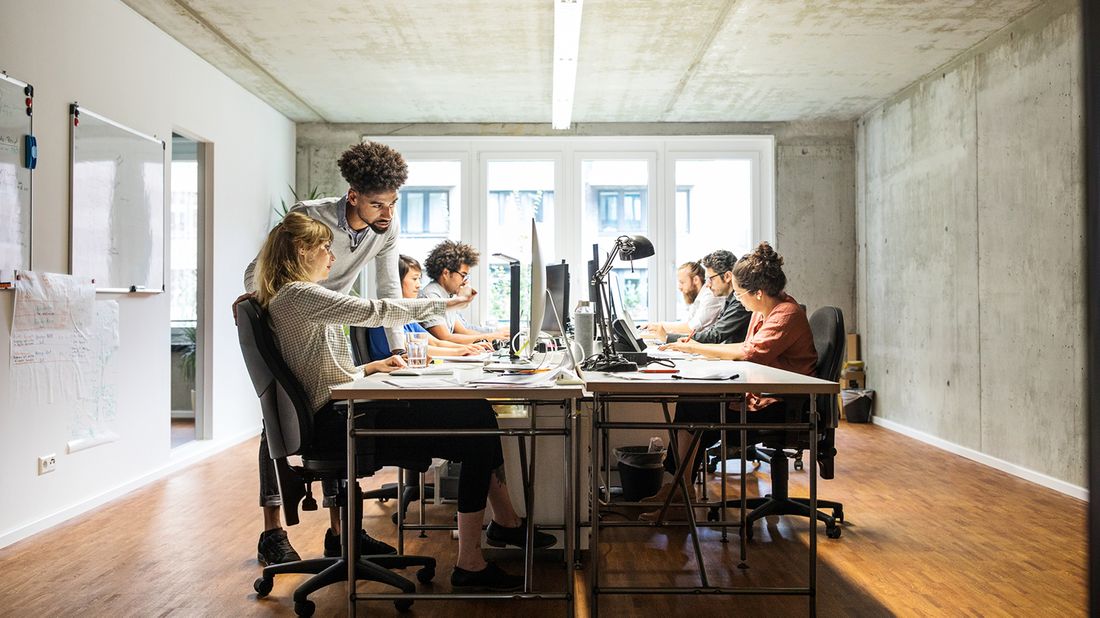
[761, 270]
[450, 255]
[373, 168]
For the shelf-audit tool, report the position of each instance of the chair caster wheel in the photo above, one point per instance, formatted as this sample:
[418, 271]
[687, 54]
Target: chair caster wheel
[403, 605]
[425, 576]
[838, 515]
[263, 586]
[394, 518]
[712, 515]
[383, 500]
[304, 608]
[833, 533]
[798, 464]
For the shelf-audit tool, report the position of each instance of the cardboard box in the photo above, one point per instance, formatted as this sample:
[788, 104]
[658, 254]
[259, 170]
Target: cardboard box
[852, 347]
[853, 379]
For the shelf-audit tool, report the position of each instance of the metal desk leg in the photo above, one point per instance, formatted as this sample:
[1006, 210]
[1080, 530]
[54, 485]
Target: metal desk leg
[400, 512]
[423, 533]
[594, 500]
[567, 511]
[722, 509]
[744, 498]
[813, 505]
[350, 539]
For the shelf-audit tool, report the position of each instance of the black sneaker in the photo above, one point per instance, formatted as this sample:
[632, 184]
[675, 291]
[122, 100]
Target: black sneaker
[499, 536]
[274, 548]
[368, 545]
[489, 578]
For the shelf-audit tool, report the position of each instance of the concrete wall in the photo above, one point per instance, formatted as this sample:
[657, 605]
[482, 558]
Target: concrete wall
[101, 53]
[970, 262]
[815, 185]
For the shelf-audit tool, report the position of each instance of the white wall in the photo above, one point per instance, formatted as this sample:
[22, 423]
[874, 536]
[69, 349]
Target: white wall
[102, 54]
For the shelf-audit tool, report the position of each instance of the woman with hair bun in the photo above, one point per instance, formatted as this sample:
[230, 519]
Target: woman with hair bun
[779, 336]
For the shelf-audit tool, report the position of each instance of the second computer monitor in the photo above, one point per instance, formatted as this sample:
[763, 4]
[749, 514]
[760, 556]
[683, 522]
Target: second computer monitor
[557, 284]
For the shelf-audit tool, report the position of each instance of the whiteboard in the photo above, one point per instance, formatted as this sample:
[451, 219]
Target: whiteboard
[15, 179]
[118, 202]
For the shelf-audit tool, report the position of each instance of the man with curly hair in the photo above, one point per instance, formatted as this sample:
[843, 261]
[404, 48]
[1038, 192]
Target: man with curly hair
[364, 228]
[448, 265]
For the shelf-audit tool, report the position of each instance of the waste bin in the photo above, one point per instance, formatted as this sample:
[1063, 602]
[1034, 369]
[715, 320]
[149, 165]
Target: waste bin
[640, 471]
[858, 403]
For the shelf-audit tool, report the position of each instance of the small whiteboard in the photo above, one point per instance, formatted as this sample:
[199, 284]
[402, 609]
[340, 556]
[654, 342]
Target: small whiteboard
[118, 202]
[15, 178]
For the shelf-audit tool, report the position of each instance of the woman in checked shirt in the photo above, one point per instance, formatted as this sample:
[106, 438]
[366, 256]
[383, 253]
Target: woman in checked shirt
[307, 320]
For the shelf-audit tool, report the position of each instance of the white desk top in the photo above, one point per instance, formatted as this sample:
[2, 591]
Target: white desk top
[374, 387]
[751, 378]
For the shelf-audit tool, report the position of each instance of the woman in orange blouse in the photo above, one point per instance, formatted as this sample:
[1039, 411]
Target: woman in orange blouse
[779, 336]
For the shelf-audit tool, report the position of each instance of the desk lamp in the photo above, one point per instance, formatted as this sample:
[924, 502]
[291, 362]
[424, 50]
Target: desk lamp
[627, 248]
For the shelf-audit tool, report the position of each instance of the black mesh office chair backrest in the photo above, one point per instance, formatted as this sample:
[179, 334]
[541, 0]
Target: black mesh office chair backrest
[288, 420]
[827, 326]
[360, 344]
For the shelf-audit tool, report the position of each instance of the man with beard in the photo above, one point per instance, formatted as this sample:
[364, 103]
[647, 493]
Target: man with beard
[363, 228]
[703, 306]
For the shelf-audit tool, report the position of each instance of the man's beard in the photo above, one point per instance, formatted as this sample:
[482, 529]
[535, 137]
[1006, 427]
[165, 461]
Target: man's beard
[689, 297]
[380, 230]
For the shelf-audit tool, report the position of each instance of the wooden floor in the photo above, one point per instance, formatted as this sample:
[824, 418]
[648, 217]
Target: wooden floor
[183, 431]
[928, 534]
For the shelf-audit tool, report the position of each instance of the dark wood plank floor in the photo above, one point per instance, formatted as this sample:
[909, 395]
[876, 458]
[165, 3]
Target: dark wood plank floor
[928, 533]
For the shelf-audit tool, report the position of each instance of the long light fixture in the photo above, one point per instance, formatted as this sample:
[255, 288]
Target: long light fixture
[567, 41]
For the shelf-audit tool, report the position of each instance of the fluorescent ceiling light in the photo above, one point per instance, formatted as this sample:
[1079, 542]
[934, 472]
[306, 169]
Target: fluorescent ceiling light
[567, 40]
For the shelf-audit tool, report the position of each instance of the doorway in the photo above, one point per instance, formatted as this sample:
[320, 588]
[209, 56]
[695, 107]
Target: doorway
[186, 224]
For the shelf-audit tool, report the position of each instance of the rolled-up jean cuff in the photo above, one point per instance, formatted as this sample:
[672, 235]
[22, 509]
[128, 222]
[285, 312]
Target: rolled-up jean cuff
[329, 492]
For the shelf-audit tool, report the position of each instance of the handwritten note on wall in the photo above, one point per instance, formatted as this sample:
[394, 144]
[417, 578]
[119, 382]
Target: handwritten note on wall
[62, 343]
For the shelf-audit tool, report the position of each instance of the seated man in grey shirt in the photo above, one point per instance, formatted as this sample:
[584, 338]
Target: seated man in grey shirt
[703, 305]
[448, 265]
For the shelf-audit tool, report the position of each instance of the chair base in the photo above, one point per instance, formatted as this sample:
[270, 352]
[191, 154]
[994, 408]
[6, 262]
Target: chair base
[327, 571]
[388, 491]
[780, 503]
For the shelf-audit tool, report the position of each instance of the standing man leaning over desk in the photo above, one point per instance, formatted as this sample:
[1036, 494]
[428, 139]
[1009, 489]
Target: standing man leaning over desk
[703, 306]
[363, 228]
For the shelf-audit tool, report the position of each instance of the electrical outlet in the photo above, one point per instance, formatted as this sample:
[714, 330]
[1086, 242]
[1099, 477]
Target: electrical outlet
[47, 463]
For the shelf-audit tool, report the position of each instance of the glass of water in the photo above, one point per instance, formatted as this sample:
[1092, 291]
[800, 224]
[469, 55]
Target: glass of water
[416, 349]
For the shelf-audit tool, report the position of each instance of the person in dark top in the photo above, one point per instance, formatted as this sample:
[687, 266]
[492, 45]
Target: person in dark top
[733, 323]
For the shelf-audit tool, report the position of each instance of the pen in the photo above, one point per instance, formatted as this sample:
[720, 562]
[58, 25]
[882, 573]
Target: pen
[658, 371]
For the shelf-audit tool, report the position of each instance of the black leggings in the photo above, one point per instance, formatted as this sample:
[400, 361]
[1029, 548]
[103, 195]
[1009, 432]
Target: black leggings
[708, 412]
[480, 455]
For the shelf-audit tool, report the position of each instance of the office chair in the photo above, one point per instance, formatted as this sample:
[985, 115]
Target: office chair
[827, 325]
[288, 421]
[360, 352]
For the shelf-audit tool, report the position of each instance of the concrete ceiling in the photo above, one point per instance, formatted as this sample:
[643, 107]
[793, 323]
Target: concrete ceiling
[418, 61]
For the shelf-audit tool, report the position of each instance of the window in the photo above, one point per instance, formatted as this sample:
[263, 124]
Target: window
[429, 206]
[689, 195]
[425, 212]
[716, 191]
[622, 209]
[517, 192]
[616, 198]
[184, 235]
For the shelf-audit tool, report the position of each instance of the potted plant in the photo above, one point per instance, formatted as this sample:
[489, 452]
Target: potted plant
[187, 358]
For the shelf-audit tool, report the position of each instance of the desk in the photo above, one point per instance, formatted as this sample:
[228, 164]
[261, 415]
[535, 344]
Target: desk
[752, 378]
[373, 388]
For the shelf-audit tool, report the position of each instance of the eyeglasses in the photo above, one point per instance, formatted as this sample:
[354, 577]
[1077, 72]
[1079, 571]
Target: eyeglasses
[710, 279]
[465, 275]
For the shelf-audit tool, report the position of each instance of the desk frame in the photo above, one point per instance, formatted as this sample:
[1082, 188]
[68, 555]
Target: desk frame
[609, 390]
[566, 397]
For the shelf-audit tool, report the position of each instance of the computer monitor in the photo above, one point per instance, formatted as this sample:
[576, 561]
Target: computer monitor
[557, 284]
[538, 292]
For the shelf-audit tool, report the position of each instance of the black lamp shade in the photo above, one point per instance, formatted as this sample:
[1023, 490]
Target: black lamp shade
[634, 247]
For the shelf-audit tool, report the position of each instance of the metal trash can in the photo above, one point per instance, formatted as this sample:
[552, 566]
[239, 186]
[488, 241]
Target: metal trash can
[858, 404]
[640, 471]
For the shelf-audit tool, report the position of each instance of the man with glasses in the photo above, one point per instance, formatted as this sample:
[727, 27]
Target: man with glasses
[364, 228]
[733, 323]
[703, 306]
[448, 265]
